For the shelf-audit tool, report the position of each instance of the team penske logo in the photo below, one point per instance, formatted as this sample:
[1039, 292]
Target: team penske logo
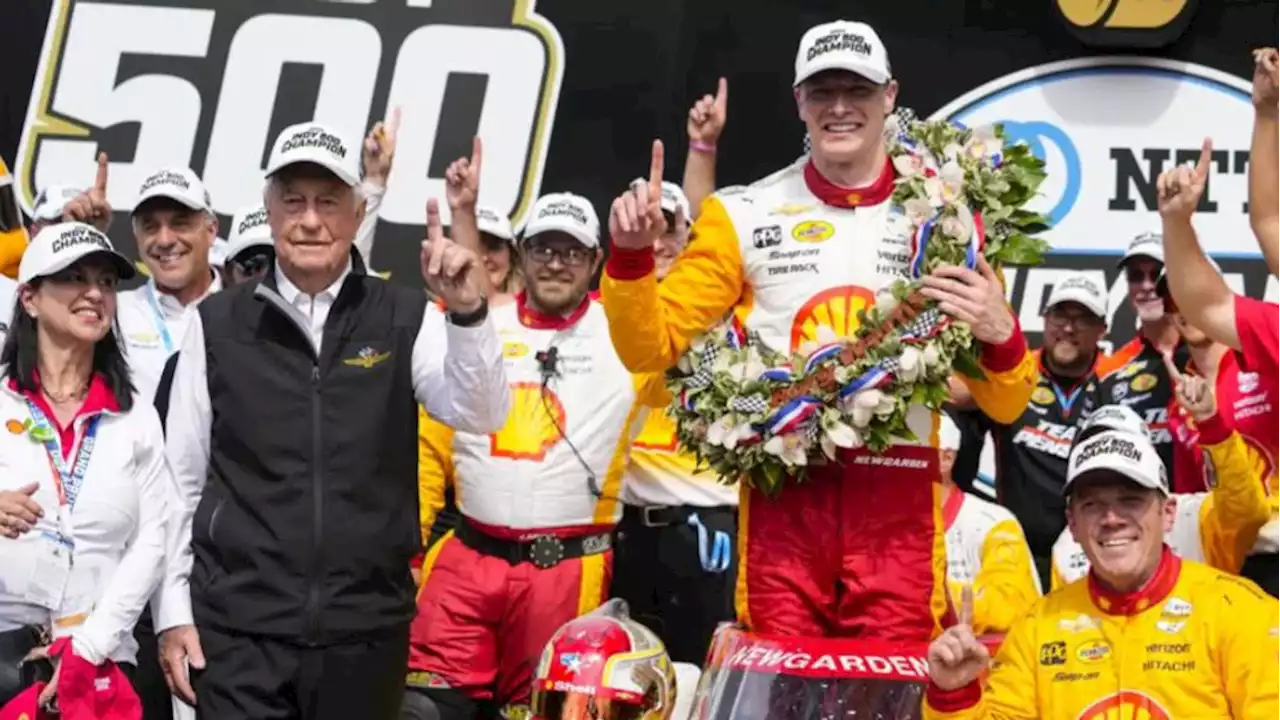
[218, 83]
[533, 424]
[836, 309]
[1125, 704]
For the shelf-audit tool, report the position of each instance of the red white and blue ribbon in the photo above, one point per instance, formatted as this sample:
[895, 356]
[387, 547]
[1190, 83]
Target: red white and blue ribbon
[920, 243]
[826, 352]
[792, 416]
[779, 374]
[874, 378]
[735, 335]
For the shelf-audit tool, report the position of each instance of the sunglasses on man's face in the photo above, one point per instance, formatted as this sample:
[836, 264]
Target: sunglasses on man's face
[1136, 275]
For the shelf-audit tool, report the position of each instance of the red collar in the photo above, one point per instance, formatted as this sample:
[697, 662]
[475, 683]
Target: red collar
[98, 399]
[951, 508]
[1157, 588]
[538, 320]
[843, 197]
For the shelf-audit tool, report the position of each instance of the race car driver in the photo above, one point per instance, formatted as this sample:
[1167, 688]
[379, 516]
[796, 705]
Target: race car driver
[538, 499]
[986, 549]
[804, 248]
[1245, 325]
[1218, 527]
[1146, 634]
[1135, 374]
[1031, 452]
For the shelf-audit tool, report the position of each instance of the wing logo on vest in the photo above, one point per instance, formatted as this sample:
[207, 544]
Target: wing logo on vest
[533, 424]
[835, 309]
[1143, 382]
[813, 231]
[791, 209]
[366, 358]
[1125, 704]
[1042, 396]
[1130, 370]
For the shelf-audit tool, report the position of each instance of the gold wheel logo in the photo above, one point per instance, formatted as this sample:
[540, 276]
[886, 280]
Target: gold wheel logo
[836, 309]
[1126, 23]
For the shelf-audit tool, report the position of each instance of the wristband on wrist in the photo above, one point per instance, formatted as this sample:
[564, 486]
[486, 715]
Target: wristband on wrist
[701, 147]
[473, 318]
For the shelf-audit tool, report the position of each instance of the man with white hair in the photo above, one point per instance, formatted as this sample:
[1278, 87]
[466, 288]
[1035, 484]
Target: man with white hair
[986, 549]
[292, 439]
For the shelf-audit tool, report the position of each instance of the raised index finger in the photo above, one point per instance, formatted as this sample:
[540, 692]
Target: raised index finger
[435, 229]
[393, 123]
[1172, 368]
[722, 95]
[100, 181]
[1206, 154]
[965, 617]
[477, 154]
[655, 172]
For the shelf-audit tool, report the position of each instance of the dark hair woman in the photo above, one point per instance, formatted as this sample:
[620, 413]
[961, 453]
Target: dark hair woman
[83, 479]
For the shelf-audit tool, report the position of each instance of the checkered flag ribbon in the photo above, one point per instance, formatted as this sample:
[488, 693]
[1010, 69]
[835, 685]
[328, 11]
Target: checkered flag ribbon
[813, 432]
[699, 380]
[890, 365]
[748, 404]
[708, 357]
[905, 115]
[924, 326]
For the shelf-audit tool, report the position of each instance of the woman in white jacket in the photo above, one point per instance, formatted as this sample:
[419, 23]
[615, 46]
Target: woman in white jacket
[83, 480]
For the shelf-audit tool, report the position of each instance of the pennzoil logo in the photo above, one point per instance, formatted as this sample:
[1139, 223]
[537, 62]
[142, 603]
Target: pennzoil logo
[1042, 396]
[1093, 651]
[225, 76]
[533, 424]
[366, 358]
[514, 349]
[1143, 382]
[813, 231]
[1125, 704]
[1126, 23]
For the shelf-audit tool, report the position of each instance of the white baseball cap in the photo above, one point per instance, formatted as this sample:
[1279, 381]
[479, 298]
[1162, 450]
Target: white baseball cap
[50, 201]
[1118, 452]
[673, 197]
[842, 45]
[61, 245]
[218, 252]
[249, 228]
[1147, 244]
[318, 144]
[948, 433]
[566, 213]
[1082, 288]
[494, 223]
[178, 184]
[1121, 418]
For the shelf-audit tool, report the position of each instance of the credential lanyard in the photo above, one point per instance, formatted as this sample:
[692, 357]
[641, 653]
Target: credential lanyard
[67, 480]
[1066, 401]
[163, 329]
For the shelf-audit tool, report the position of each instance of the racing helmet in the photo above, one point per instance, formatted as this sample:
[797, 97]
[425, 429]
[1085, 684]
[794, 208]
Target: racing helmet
[604, 666]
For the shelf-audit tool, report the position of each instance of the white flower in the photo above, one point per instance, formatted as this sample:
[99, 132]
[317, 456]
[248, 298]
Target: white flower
[860, 416]
[720, 430]
[953, 227]
[952, 177]
[842, 435]
[791, 448]
[888, 404]
[918, 209]
[724, 361]
[698, 343]
[910, 364]
[908, 165]
[933, 192]
[868, 398]
[746, 371]
[932, 358]
[952, 151]
[885, 300]
[686, 364]
[984, 143]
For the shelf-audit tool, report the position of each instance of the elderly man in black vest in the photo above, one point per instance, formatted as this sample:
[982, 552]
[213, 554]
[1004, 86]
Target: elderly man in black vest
[292, 435]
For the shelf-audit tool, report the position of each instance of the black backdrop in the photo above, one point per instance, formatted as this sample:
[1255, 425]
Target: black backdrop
[631, 70]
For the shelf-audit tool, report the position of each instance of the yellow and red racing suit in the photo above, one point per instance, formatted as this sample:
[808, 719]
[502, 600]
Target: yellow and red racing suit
[858, 550]
[1193, 643]
[538, 501]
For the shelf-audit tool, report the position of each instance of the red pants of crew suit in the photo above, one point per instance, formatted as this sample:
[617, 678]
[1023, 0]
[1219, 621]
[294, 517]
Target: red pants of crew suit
[482, 622]
[857, 550]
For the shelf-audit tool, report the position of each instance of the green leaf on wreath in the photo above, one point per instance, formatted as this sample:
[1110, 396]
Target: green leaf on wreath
[967, 364]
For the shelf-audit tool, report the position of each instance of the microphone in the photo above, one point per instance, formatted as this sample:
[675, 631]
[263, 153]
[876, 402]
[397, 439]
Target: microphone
[547, 361]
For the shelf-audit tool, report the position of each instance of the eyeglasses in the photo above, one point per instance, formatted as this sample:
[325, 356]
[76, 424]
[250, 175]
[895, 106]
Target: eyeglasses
[1059, 320]
[1136, 275]
[568, 256]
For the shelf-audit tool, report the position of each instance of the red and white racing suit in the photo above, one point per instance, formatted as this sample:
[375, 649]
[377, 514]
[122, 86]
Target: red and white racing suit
[553, 471]
[858, 550]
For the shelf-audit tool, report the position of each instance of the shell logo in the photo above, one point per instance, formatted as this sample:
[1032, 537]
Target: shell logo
[813, 231]
[836, 309]
[1125, 705]
[514, 349]
[658, 433]
[533, 424]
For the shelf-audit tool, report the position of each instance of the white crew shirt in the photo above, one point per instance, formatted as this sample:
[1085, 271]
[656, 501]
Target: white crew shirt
[458, 376]
[153, 323]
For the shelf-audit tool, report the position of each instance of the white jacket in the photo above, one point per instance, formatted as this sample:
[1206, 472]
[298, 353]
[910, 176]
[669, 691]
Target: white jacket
[95, 590]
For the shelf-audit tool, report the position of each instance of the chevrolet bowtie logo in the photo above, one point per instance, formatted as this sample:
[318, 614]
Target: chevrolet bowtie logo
[366, 358]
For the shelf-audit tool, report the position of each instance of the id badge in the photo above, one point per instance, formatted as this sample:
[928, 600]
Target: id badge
[52, 571]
